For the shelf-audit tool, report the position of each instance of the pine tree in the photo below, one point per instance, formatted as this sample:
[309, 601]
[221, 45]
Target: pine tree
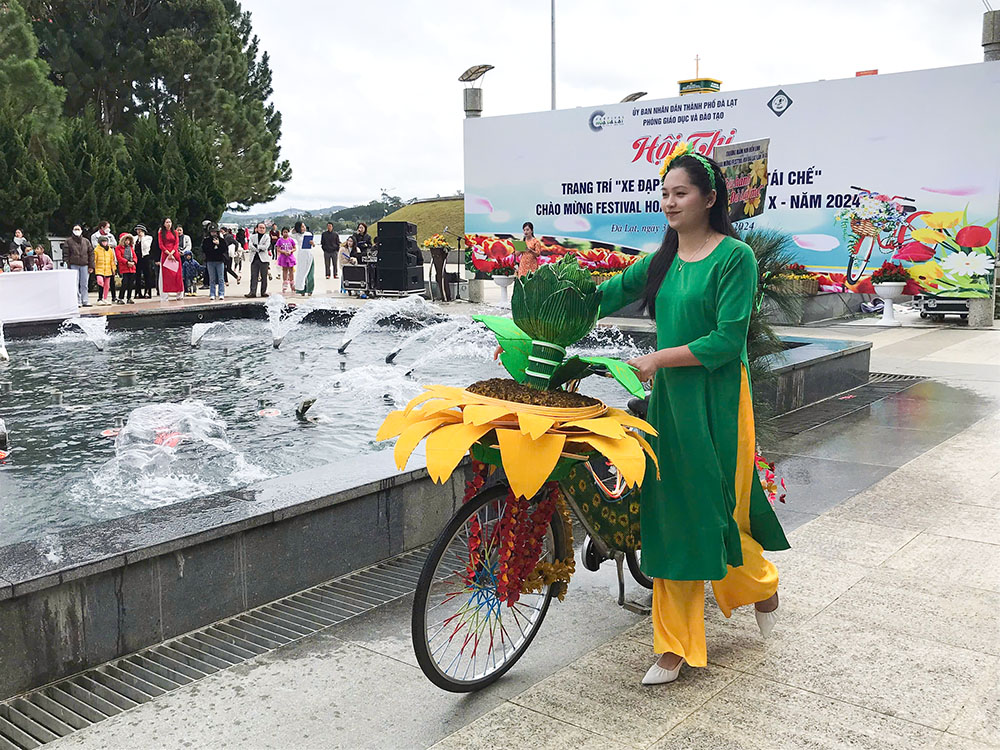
[26, 195]
[169, 59]
[25, 88]
[94, 176]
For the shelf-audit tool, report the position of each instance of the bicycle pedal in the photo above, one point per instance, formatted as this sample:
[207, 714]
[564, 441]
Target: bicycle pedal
[639, 609]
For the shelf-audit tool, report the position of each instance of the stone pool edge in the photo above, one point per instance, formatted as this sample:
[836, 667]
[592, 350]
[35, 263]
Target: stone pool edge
[170, 570]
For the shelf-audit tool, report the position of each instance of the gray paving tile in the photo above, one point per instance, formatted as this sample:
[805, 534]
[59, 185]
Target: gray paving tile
[908, 411]
[980, 717]
[601, 693]
[792, 519]
[863, 443]
[513, 726]
[842, 539]
[757, 714]
[908, 603]
[972, 522]
[881, 669]
[815, 485]
[909, 498]
[952, 742]
[950, 561]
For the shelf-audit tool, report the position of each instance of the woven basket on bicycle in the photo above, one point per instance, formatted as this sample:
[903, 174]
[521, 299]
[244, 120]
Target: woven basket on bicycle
[864, 228]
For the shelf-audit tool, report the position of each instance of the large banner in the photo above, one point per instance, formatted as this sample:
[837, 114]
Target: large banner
[902, 167]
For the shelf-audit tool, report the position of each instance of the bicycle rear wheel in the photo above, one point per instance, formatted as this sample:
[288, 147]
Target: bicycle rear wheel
[464, 636]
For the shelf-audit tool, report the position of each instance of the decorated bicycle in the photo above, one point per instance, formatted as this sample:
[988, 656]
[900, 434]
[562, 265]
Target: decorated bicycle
[874, 220]
[540, 451]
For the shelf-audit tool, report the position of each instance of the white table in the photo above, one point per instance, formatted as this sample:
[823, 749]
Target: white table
[38, 295]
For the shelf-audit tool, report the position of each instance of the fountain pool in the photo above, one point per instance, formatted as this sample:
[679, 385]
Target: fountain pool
[69, 465]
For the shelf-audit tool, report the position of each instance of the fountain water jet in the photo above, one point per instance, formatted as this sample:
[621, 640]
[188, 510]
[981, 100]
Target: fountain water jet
[198, 331]
[94, 328]
[282, 319]
[447, 328]
[375, 311]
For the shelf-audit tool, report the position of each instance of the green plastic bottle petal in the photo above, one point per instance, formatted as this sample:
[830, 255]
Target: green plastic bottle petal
[515, 342]
[622, 372]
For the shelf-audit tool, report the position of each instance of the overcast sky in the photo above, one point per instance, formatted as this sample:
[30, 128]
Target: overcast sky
[370, 98]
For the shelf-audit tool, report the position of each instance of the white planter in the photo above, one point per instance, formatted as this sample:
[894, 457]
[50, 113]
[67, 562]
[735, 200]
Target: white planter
[887, 292]
[503, 282]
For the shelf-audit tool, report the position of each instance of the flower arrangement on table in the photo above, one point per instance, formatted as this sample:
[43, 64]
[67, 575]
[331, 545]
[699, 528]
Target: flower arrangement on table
[798, 280]
[873, 214]
[532, 425]
[436, 242]
[966, 260]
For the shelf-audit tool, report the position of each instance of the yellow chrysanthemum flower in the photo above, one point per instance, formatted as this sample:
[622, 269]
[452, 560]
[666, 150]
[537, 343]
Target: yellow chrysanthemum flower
[679, 149]
[531, 439]
[758, 172]
[942, 219]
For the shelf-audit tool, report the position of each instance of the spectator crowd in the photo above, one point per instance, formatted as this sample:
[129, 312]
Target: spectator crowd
[131, 265]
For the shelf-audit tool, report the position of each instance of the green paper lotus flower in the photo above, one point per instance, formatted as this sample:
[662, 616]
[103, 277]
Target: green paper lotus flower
[552, 308]
[559, 303]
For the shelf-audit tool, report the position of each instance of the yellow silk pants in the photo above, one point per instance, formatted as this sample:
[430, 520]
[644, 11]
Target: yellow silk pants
[679, 606]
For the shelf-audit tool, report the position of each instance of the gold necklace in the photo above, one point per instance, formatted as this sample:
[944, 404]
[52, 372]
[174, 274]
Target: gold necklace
[685, 262]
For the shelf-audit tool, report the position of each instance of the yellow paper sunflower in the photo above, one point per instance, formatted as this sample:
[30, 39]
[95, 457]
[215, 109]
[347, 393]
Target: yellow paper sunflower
[531, 439]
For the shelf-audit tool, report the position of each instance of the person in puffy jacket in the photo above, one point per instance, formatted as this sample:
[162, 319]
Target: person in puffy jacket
[78, 254]
[127, 259]
[104, 269]
[192, 272]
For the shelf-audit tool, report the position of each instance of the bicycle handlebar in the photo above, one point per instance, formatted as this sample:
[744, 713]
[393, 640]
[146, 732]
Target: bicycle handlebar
[865, 190]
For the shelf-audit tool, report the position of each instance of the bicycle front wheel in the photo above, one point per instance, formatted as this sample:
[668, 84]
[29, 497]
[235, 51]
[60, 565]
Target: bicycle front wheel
[464, 636]
[859, 259]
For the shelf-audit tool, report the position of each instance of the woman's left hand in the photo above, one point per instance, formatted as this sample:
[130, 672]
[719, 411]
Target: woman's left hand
[647, 365]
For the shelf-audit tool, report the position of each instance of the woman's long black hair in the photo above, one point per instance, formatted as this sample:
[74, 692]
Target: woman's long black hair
[718, 219]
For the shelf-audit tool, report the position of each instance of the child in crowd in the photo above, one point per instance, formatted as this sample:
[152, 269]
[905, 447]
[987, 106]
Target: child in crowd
[42, 261]
[192, 273]
[286, 260]
[127, 261]
[104, 268]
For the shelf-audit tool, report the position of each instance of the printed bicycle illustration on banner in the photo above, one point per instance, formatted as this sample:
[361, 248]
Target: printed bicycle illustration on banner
[873, 220]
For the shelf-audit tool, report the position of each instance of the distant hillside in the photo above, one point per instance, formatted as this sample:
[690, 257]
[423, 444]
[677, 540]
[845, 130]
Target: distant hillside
[230, 217]
[431, 217]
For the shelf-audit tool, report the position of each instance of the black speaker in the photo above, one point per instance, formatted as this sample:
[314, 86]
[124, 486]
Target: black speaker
[401, 279]
[399, 252]
[393, 229]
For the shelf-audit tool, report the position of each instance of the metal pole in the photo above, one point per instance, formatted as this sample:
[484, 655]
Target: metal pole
[553, 54]
[982, 311]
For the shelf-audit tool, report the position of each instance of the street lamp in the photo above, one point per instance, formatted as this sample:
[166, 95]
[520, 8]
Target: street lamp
[473, 95]
[634, 96]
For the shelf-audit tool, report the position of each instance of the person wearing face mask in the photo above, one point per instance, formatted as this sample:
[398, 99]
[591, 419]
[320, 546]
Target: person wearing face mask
[19, 244]
[260, 246]
[78, 254]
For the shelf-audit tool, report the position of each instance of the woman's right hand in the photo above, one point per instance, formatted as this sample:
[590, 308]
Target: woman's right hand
[497, 352]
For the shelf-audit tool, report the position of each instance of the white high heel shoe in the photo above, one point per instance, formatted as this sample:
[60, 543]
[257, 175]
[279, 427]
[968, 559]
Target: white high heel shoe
[657, 675]
[766, 621]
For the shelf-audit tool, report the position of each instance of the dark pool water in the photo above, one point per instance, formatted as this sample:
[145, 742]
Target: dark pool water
[61, 472]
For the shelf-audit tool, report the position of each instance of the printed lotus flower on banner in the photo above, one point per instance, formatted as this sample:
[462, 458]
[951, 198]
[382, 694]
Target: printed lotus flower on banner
[534, 425]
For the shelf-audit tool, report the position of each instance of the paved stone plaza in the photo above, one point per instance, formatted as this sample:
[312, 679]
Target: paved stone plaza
[889, 636]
